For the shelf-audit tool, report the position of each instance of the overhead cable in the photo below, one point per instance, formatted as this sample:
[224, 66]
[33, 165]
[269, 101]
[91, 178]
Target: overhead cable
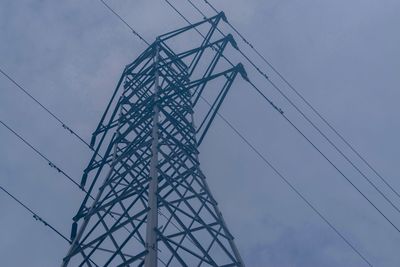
[288, 183]
[51, 164]
[35, 215]
[63, 124]
[320, 132]
[296, 91]
[313, 145]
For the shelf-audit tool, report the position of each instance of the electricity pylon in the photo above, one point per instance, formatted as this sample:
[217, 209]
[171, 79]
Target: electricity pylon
[148, 203]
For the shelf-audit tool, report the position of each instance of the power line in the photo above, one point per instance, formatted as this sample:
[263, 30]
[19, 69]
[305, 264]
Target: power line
[63, 124]
[291, 186]
[303, 114]
[35, 215]
[310, 142]
[51, 164]
[293, 88]
[323, 155]
[340, 152]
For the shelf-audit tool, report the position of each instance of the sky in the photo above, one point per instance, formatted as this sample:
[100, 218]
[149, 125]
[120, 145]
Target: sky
[343, 56]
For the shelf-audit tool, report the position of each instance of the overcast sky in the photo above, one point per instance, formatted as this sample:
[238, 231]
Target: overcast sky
[343, 56]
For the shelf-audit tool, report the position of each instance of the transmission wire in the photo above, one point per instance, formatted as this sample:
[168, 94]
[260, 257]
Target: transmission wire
[308, 120]
[51, 164]
[296, 91]
[35, 215]
[311, 143]
[287, 182]
[63, 124]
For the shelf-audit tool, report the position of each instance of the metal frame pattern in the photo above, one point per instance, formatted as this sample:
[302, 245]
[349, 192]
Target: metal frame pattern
[153, 205]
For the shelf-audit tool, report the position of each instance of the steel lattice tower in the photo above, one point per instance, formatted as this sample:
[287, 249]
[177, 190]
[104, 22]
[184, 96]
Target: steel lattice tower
[148, 203]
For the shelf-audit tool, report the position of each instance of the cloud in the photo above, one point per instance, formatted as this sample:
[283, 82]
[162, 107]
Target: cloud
[343, 56]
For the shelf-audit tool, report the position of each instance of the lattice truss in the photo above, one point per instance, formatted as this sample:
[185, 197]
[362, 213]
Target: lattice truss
[155, 99]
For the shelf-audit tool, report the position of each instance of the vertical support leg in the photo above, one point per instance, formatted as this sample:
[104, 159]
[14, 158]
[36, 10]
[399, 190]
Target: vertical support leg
[152, 216]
